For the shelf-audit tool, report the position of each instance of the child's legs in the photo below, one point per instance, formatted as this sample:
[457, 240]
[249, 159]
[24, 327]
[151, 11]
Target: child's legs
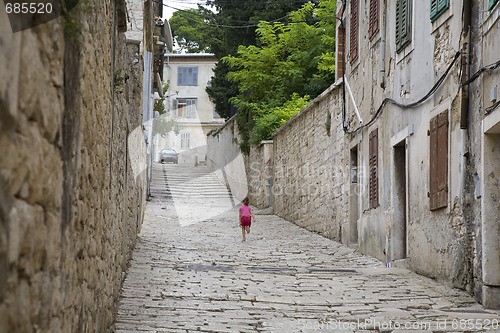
[243, 231]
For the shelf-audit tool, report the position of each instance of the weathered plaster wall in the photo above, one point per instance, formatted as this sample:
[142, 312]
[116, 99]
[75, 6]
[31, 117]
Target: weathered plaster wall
[71, 203]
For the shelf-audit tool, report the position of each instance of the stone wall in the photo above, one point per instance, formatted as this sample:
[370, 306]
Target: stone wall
[71, 203]
[249, 175]
[309, 167]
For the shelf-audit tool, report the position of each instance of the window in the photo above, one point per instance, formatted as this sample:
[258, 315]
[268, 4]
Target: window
[339, 69]
[373, 21]
[354, 30]
[403, 24]
[438, 7]
[438, 158]
[215, 114]
[373, 166]
[185, 108]
[187, 76]
[185, 140]
[491, 4]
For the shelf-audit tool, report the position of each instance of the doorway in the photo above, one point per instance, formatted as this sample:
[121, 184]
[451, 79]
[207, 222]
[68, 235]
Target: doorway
[354, 197]
[490, 212]
[400, 202]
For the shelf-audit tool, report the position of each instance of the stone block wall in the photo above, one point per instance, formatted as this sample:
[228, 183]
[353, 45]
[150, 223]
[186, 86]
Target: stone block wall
[71, 203]
[309, 167]
[243, 175]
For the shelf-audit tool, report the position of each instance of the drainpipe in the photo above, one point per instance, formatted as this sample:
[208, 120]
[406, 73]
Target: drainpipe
[382, 46]
[464, 114]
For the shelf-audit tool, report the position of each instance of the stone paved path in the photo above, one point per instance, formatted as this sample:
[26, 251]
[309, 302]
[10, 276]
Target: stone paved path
[191, 272]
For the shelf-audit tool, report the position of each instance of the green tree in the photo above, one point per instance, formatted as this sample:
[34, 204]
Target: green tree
[189, 29]
[291, 62]
[227, 30]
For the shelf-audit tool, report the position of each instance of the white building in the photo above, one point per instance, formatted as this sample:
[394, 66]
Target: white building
[187, 101]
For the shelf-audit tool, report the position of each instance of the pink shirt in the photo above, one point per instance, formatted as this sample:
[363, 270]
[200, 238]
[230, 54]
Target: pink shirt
[245, 210]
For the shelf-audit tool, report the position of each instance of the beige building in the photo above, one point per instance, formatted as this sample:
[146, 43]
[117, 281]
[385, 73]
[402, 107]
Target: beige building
[189, 104]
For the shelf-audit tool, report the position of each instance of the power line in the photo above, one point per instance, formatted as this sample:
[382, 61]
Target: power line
[248, 24]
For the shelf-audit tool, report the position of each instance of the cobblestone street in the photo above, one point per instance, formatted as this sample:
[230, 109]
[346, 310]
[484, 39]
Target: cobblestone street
[191, 272]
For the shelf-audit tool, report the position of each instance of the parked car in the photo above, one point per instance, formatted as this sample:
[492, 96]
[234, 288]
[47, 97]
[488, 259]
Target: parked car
[169, 155]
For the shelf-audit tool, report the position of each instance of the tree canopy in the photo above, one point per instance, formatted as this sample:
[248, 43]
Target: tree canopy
[290, 64]
[267, 71]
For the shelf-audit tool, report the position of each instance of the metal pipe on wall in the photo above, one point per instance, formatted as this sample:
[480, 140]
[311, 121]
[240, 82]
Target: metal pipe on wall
[382, 45]
[464, 114]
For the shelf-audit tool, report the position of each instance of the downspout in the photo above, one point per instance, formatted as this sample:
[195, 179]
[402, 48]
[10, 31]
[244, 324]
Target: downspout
[464, 114]
[382, 45]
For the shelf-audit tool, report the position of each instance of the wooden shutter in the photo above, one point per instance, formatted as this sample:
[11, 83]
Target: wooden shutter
[492, 4]
[353, 47]
[373, 166]
[438, 7]
[403, 24]
[438, 161]
[340, 52]
[374, 14]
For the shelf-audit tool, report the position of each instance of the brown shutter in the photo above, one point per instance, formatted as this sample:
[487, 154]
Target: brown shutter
[373, 166]
[374, 13]
[353, 50]
[438, 159]
[340, 52]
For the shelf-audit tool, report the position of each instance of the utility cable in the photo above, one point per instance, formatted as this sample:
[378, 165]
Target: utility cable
[488, 69]
[386, 100]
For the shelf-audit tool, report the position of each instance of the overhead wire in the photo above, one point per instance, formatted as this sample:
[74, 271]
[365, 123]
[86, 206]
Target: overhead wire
[248, 24]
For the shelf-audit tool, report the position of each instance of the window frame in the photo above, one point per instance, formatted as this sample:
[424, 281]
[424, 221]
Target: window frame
[438, 7]
[185, 140]
[438, 161]
[373, 181]
[400, 26]
[373, 20]
[354, 30]
[189, 112]
[185, 78]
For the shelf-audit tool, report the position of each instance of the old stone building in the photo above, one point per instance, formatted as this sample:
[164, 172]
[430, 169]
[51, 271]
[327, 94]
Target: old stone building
[72, 167]
[399, 158]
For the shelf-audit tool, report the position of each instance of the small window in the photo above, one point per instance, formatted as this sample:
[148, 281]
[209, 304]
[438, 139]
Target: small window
[373, 21]
[491, 4]
[438, 7]
[185, 108]
[185, 140]
[403, 24]
[215, 114]
[438, 161]
[353, 50]
[373, 168]
[187, 76]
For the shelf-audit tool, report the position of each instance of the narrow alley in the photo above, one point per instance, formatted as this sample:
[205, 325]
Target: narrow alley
[190, 272]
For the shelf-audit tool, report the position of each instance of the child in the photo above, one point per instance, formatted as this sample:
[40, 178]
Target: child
[246, 216]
